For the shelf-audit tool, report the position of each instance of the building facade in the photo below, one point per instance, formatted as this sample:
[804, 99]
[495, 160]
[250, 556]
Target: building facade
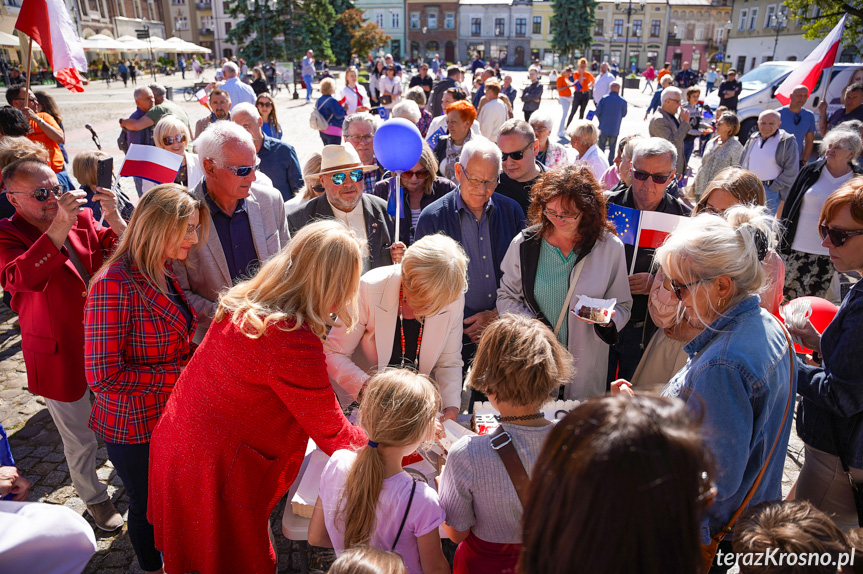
[432, 28]
[540, 33]
[497, 30]
[389, 15]
[696, 33]
[630, 33]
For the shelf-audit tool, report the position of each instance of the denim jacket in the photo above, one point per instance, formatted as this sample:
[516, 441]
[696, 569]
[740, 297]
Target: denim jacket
[737, 379]
[834, 391]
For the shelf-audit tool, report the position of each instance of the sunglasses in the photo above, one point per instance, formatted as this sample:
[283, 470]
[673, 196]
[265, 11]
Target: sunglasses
[643, 175]
[678, 289]
[339, 178]
[516, 155]
[43, 193]
[838, 237]
[421, 174]
[265, 104]
[170, 140]
[243, 170]
[564, 218]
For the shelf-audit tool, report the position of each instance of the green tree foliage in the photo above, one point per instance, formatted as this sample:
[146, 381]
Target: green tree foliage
[366, 37]
[317, 21]
[815, 28]
[572, 26]
[247, 32]
[341, 35]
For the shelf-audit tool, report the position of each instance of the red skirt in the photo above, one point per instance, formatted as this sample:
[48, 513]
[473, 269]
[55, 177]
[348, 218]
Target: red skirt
[476, 556]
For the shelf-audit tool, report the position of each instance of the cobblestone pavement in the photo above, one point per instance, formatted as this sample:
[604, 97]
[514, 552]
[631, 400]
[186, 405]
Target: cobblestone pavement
[33, 437]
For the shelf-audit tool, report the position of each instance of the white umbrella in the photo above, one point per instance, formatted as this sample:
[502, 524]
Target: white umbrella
[132, 44]
[183, 47]
[102, 43]
[9, 41]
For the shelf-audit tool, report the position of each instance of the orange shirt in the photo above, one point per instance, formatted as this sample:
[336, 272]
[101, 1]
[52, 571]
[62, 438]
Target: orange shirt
[586, 79]
[562, 81]
[55, 156]
[662, 72]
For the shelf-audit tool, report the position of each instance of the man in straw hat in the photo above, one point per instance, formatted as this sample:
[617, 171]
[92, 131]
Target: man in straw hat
[342, 177]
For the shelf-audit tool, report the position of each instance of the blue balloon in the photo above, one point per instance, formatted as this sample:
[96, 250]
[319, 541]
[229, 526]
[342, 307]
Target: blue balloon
[398, 144]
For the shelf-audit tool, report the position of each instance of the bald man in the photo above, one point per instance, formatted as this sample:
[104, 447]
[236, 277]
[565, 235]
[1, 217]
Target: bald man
[772, 155]
[799, 122]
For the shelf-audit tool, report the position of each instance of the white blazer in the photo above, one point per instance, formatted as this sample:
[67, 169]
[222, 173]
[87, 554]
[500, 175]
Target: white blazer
[353, 356]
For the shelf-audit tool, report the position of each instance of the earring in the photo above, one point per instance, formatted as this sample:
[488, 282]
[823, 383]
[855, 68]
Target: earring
[722, 302]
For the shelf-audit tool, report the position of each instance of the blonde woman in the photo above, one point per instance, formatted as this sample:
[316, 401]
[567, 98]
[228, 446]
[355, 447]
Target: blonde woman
[353, 97]
[173, 135]
[236, 429]
[138, 329]
[334, 113]
[85, 168]
[313, 187]
[410, 316]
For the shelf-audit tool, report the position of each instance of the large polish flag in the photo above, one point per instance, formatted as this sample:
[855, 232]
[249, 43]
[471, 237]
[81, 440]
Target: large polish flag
[150, 162]
[49, 24]
[810, 69]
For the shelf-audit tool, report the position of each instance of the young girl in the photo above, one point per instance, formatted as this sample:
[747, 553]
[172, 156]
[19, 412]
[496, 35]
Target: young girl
[366, 497]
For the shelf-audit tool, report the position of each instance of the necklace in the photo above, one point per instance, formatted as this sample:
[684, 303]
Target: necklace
[534, 416]
[402, 331]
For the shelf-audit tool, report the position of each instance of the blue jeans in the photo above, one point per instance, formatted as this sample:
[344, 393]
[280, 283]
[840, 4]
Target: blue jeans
[688, 146]
[132, 463]
[709, 87]
[612, 145]
[308, 81]
[772, 199]
[330, 139]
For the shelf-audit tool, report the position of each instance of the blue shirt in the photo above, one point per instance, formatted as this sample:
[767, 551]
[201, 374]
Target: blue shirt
[235, 235]
[476, 239]
[141, 137]
[610, 111]
[280, 163]
[238, 91]
[268, 130]
[798, 125]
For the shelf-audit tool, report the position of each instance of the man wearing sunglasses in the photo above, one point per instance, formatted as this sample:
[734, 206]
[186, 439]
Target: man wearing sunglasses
[518, 145]
[49, 250]
[653, 161]
[799, 122]
[366, 215]
[248, 222]
[278, 158]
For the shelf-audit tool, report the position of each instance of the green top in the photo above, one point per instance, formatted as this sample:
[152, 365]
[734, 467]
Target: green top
[552, 283]
[165, 108]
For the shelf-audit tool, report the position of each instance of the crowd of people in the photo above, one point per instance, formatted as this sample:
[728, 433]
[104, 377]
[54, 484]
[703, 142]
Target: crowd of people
[207, 329]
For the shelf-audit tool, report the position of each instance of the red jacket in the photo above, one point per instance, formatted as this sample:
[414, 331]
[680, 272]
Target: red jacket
[49, 295]
[137, 342]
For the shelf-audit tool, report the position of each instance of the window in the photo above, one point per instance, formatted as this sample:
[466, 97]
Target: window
[742, 24]
[476, 26]
[537, 26]
[599, 27]
[431, 18]
[226, 7]
[768, 18]
[636, 28]
[655, 28]
[379, 19]
[521, 27]
[227, 27]
[415, 21]
[181, 23]
[753, 18]
[178, 2]
[499, 27]
[395, 21]
[618, 28]
[449, 21]
[699, 32]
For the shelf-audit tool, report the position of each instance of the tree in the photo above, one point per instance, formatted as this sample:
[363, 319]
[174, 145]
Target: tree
[572, 26]
[247, 32]
[816, 27]
[317, 21]
[366, 37]
[341, 35]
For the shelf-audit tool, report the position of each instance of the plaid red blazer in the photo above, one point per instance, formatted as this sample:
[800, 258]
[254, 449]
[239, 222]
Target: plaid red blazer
[136, 343]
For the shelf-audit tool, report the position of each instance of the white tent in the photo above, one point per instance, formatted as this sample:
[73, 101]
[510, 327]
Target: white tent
[102, 43]
[180, 46]
[9, 41]
[132, 44]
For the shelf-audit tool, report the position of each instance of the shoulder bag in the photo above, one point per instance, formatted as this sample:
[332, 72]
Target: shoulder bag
[501, 443]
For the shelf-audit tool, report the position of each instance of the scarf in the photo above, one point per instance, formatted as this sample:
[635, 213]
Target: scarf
[452, 156]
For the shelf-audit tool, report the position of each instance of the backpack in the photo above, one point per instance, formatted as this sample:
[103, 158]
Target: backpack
[123, 141]
[317, 121]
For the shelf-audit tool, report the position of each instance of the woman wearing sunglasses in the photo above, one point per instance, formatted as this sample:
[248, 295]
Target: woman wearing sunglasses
[138, 329]
[172, 134]
[421, 186]
[267, 108]
[809, 268]
[570, 250]
[830, 418]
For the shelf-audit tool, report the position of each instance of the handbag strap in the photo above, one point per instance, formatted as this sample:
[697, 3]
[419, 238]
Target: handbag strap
[501, 443]
[730, 526]
[405, 517]
[575, 275]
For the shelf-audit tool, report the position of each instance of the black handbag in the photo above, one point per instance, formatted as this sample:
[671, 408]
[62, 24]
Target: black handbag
[856, 487]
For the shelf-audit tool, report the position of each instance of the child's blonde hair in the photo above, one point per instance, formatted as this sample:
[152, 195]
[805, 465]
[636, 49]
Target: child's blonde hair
[398, 409]
[368, 560]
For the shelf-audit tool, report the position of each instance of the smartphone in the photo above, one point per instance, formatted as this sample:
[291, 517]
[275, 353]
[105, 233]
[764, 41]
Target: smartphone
[105, 172]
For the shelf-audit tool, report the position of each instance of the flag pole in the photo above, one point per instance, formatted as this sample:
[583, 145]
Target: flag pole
[827, 84]
[29, 66]
[635, 247]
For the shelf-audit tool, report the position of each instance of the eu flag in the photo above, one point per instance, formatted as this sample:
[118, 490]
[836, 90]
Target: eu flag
[384, 113]
[433, 138]
[625, 219]
[391, 199]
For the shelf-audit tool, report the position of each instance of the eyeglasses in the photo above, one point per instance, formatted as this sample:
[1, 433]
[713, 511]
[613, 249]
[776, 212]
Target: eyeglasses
[643, 175]
[838, 237]
[43, 193]
[192, 230]
[560, 217]
[364, 139]
[421, 174]
[707, 208]
[339, 178]
[516, 155]
[485, 183]
[264, 104]
[243, 170]
[170, 140]
[679, 288]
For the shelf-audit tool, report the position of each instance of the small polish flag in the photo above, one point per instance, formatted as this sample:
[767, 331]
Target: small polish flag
[149, 162]
[203, 98]
[656, 227]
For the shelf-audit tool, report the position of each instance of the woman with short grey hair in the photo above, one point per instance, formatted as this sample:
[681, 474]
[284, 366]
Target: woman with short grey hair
[808, 269]
[549, 153]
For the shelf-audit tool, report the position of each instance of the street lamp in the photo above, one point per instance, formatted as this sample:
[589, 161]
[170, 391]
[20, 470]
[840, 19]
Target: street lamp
[630, 10]
[725, 52]
[779, 24]
[293, 57]
[609, 37]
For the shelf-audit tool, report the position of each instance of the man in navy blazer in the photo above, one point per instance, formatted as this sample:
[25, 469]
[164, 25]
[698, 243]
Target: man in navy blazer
[483, 223]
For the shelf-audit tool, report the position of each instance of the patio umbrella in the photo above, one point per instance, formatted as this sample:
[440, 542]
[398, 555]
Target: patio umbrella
[102, 43]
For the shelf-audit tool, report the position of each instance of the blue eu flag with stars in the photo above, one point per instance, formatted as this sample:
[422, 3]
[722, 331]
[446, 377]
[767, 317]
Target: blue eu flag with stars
[625, 219]
[391, 199]
[433, 138]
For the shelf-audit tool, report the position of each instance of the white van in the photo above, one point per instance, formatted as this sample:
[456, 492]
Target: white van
[760, 84]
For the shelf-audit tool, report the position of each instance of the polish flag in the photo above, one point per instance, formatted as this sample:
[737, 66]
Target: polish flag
[655, 227]
[810, 69]
[203, 98]
[48, 23]
[150, 162]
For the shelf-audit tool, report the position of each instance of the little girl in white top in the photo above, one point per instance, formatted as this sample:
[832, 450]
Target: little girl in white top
[366, 498]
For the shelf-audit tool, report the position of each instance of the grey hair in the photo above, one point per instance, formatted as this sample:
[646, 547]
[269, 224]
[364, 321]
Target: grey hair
[158, 90]
[584, 130]
[542, 117]
[141, 91]
[482, 148]
[519, 128]
[846, 137]
[407, 109]
[652, 147]
[417, 94]
[670, 91]
[218, 138]
[706, 246]
[230, 67]
[663, 81]
[246, 108]
[630, 143]
[359, 117]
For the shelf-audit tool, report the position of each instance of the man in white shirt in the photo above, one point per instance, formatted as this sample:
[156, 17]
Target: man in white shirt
[237, 90]
[583, 136]
[602, 84]
[493, 113]
[773, 156]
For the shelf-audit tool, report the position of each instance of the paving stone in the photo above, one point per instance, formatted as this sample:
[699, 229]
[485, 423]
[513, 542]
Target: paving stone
[76, 504]
[43, 450]
[61, 495]
[54, 457]
[43, 468]
[25, 463]
[55, 478]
